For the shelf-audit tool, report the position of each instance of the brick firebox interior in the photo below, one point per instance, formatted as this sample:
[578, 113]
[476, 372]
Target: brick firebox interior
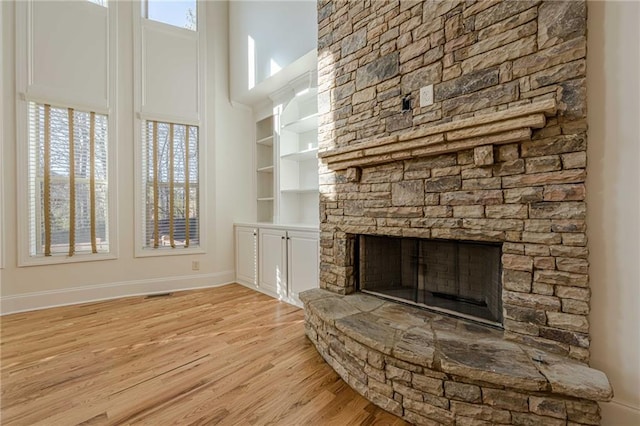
[499, 156]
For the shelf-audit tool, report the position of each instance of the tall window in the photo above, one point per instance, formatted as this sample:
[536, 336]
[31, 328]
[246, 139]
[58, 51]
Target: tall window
[66, 88]
[168, 99]
[179, 13]
[170, 185]
[68, 186]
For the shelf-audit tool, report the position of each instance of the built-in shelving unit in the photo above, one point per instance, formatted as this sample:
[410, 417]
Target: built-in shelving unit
[299, 191]
[278, 254]
[265, 166]
[266, 141]
[298, 162]
[301, 155]
[304, 124]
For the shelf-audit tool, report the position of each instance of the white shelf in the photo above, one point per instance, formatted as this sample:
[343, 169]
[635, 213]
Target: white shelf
[305, 124]
[297, 164]
[265, 168]
[307, 154]
[300, 191]
[268, 141]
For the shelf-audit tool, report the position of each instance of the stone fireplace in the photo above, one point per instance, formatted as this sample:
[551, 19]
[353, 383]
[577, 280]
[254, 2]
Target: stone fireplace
[455, 277]
[497, 162]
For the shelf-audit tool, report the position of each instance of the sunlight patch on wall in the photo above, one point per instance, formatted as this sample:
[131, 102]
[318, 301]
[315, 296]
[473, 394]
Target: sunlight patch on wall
[251, 61]
[273, 67]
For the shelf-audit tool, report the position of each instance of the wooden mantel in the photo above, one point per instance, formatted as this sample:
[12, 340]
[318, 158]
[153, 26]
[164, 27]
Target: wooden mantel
[502, 127]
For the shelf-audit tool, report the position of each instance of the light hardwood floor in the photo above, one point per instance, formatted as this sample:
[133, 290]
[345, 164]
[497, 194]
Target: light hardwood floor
[227, 356]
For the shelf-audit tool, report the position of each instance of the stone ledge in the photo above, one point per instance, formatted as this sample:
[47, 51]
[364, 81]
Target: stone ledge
[511, 125]
[456, 348]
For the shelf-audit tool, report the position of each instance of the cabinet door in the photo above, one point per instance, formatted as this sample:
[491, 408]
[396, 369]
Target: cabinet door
[247, 255]
[273, 264]
[303, 253]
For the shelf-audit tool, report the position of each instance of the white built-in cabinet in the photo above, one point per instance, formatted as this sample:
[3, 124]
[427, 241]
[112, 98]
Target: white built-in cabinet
[273, 261]
[302, 262]
[286, 260]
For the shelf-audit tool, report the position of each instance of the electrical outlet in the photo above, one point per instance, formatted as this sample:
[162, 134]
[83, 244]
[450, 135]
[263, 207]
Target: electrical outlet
[195, 265]
[426, 95]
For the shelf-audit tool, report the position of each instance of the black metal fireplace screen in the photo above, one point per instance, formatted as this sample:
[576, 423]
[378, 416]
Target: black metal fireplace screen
[457, 277]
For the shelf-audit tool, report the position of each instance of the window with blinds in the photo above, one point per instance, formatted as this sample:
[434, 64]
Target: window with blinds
[68, 185]
[170, 185]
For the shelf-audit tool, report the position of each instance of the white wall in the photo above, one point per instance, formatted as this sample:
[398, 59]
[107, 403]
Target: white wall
[228, 174]
[235, 196]
[1, 154]
[613, 203]
[283, 32]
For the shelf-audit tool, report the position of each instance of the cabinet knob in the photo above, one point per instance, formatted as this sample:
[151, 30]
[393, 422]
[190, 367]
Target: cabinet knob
[282, 238]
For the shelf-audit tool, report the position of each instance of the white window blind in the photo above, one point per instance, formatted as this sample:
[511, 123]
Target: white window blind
[68, 185]
[170, 185]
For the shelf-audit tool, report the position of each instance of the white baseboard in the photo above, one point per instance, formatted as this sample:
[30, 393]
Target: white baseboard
[258, 289]
[75, 295]
[288, 300]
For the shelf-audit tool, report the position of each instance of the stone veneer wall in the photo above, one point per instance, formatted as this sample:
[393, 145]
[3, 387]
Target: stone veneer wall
[481, 57]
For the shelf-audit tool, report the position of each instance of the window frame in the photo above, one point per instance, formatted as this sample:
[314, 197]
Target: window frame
[23, 97]
[140, 117]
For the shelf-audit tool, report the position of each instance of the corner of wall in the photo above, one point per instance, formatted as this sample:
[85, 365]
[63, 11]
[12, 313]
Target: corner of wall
[613, 202]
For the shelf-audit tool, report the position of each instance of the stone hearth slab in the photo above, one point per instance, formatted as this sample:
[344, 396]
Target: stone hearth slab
[490, 360]
[402, 316]
[417, 345]
[330, 309]
[366, 328]
[455, 347]
[571, 378]
[364, 302]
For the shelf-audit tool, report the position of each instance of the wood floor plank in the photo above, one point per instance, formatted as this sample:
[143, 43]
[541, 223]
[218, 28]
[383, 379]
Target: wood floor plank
[222, 356]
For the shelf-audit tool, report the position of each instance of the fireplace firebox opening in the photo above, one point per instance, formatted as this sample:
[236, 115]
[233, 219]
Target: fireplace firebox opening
[455, 277]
